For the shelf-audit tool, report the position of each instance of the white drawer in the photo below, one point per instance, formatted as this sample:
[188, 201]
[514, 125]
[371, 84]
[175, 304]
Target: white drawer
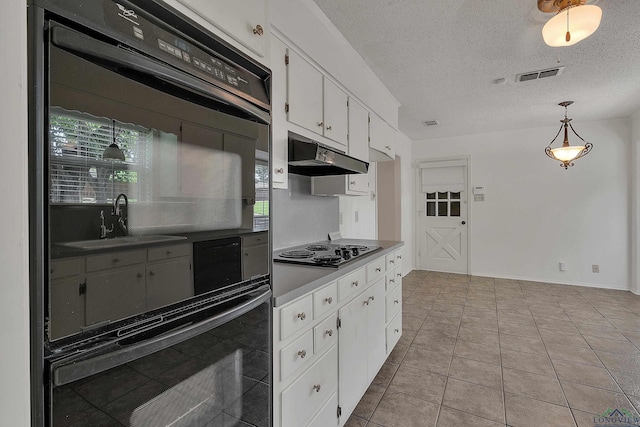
[296, 355]
[255, 239]
[394, 332]
[325, 334]
[391, 280]
[310, 391]
[114, 260]
[390, 261]
[399, 257]
[166, 252]
[325, 299]
[65, 267]
[351, 284]
[376, 270]
[295, 316]
[393, 303]
[327, 417]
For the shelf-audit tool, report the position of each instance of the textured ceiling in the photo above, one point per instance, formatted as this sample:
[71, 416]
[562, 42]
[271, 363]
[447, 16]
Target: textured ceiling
[440, 59]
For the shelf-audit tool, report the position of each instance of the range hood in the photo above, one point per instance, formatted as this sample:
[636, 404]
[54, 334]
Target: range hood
[308, 157]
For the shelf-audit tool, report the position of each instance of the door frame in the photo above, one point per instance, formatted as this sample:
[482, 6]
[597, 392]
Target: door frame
[418, 201]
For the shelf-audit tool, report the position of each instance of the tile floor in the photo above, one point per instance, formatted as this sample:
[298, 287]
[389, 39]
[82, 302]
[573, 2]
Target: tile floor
[478, 351]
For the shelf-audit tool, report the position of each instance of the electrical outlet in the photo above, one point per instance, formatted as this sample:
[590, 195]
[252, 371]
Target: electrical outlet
[595, 268]
[562, 266]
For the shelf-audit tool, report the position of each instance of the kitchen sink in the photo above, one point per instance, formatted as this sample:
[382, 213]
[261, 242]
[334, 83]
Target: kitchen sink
[121, 241]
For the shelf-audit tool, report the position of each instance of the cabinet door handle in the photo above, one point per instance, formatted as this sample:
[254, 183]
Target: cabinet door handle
[355, 283]
[258, 30]
[392, 281]
[399, 257]
[352, 182]
[280, 170]
[372, 298]
[366, 302]
[328, 300]
[329, 127]
[396, 330]
[168, 252]
[302, 354]
[392, 261]
[316, 387]
[399, 275]
[329, 332]
[139, 275]
[378, 270]
[387, 147]
[116, 260]
[320, 123]
[152, 273]
[302, 316]
[396, 301]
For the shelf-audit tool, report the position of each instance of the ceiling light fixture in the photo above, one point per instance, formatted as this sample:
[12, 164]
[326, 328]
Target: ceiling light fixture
[567, 153]
[574, 21]
[113, 152]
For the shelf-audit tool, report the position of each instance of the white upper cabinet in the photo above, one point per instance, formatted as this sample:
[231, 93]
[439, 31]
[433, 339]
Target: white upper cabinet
[358, 144]
[382, 140]
[315, 103]
[279, 135]
[243, 20]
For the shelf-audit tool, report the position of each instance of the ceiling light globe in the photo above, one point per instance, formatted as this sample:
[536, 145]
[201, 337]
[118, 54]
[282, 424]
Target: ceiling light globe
[566, 154]
[583, 21]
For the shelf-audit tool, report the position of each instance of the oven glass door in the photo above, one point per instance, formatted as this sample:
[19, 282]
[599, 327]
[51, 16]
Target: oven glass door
[135, 158]
[219, 377]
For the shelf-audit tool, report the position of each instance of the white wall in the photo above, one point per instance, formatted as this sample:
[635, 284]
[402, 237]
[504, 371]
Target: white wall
[635, 203]
[407, 231]
[364, 207]
[536, 214]
[14, 314]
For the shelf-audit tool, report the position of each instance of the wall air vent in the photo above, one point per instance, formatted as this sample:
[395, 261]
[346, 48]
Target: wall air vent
[535, 75]
[430, 123]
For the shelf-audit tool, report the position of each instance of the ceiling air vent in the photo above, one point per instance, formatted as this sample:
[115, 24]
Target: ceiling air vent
[534, 75]
[430, 123]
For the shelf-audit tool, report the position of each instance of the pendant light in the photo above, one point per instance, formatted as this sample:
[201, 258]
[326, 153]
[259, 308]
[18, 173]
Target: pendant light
[567, 153]
[574, 21]
[113, 152]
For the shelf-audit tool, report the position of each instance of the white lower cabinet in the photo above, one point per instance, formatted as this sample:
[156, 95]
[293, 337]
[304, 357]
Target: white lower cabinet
[332, 343]
[310, 391]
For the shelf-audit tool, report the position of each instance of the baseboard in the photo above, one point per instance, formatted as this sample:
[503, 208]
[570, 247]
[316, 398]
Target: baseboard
[572, 283]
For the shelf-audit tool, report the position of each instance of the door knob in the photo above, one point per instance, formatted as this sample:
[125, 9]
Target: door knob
[464, 222]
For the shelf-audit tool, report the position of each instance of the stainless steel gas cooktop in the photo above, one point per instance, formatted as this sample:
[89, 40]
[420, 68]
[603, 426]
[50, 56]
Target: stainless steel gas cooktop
[323, 254]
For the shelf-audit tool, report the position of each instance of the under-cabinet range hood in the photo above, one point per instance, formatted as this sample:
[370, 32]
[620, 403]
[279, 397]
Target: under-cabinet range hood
[308, 157]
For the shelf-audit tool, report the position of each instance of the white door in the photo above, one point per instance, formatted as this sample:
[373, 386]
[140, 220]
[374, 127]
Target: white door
[442, 217]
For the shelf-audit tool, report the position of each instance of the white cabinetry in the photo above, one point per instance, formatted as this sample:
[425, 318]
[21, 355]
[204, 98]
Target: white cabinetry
[243, 20]
[315, 103]
[330, 344]
[382, 140]
[279, 131]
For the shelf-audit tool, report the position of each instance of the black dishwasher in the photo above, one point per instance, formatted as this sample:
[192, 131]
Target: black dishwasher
[216, 264]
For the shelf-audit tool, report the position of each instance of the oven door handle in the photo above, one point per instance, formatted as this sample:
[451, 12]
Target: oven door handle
[70, 372]
[73, 41]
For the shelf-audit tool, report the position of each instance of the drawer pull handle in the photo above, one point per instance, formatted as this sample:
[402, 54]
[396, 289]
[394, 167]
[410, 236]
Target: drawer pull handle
[280, 170]
[302, 354]
[328, 300]
[372, 298]
[352, 182]
[387, 147]
[329, 332]
[316, 387]
[320, 123]
[139, 275]
[168, 252]
[396, 302]
[392, 261]
[355, 283]
[399, 257]
[366, 302]
[378, 269]
[392, 281]
[116, 260]
[258, 30]
[152, 273]
[302, 316]
[399, 275]
[396, 330]
[329, 127]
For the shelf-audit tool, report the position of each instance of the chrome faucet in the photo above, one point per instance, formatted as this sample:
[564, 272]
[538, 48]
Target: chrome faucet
[120, 215]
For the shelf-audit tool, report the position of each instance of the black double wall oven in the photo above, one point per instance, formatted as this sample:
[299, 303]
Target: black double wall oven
[146, 134]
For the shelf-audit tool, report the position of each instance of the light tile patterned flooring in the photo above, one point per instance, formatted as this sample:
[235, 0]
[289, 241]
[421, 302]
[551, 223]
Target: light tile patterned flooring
[479, 351]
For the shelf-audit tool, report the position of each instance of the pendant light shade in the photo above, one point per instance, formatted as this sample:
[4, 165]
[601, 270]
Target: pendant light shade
[567, 153]
[572, 25]
[113, 152]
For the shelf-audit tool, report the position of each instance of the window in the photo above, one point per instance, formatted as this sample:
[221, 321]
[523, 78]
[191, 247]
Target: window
[443, 203]
[261, 208]
[78, 172]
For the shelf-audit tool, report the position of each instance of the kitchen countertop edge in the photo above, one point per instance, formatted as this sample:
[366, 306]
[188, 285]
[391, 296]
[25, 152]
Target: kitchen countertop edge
[291, 281]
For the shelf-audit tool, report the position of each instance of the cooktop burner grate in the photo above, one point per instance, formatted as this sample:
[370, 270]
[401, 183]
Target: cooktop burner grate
[297, 254]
